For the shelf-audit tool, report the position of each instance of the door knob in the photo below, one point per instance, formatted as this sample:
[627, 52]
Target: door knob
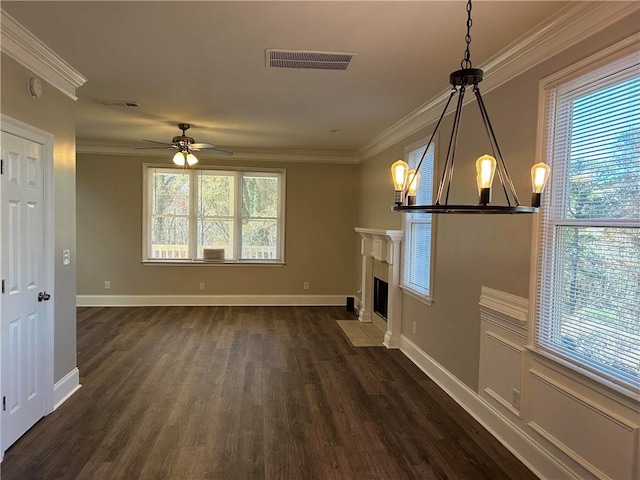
[43, 296]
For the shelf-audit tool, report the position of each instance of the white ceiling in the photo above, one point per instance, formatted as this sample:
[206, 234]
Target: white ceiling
[204, 63]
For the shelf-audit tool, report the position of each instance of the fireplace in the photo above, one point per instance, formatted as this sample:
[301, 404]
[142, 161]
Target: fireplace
[380, 297]
[380, 282]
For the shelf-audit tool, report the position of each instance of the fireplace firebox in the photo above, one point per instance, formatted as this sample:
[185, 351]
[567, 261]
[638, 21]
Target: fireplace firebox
[380, 297]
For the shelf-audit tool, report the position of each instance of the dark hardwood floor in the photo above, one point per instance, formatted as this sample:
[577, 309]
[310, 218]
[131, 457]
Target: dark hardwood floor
[249, 393]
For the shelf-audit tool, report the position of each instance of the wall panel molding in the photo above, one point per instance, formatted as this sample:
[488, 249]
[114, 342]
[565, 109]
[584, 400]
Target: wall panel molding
[599, 440]
[504, 307]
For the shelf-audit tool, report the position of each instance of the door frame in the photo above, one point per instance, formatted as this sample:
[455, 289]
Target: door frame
[34, 134]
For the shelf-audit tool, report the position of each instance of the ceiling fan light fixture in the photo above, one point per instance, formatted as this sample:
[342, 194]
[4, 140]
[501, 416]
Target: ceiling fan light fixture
[184, 157]
[191, 159]
[179, 159]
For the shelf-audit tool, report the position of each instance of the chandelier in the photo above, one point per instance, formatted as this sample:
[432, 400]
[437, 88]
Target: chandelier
[406, 180]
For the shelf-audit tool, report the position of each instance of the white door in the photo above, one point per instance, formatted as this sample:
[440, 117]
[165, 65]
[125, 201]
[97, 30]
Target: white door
[22, 269]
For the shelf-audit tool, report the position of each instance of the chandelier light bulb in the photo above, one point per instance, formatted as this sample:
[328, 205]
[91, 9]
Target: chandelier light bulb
[399, 172]
[191, 159]
[413, 180]
[486, 169]
[539, 176]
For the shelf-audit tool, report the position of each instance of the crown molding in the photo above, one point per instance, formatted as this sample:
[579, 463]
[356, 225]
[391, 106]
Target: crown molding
[569, 26]
[25, 48]
[99, 147]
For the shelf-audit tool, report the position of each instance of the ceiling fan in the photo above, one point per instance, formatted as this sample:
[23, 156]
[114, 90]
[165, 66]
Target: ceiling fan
[186, 146]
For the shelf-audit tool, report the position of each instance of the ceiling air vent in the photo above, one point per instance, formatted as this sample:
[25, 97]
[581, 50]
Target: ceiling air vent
[305, 59]
[117, 103]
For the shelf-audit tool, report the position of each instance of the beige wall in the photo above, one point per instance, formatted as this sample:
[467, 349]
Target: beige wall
[320, 217]
[53, 112]
[472, 251]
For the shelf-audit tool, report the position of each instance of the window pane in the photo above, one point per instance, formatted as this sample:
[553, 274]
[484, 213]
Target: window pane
[169, 237]
[215, 194]
[596, 314]
[604, 171]
[259, 239]
[416, 273]
[260, 196]
[170, 194]
[420, 253]
[215, 234]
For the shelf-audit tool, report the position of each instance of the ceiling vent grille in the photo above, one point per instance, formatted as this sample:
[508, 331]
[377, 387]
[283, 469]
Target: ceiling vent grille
[308, 60]
[117, 103]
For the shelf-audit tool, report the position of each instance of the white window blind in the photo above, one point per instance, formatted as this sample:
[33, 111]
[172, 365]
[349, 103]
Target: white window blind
[416, 271]
[189, 210]
[588, 299]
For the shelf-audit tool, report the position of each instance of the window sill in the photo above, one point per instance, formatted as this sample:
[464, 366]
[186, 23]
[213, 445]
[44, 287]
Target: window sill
[615, 391]
[421, 297]
[202, 263]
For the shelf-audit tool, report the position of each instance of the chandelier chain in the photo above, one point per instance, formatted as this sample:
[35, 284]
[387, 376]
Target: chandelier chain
[466, 61]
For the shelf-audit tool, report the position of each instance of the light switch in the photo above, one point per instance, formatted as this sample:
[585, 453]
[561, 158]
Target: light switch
[66, 257]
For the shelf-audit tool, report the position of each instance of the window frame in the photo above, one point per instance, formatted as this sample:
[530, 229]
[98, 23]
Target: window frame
[193, 216]
[545, 151]
[408, 221]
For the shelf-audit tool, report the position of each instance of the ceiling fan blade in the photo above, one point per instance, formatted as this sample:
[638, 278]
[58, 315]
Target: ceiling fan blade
[216, 151]
[159, 147]
[159, 143]
[200, 146]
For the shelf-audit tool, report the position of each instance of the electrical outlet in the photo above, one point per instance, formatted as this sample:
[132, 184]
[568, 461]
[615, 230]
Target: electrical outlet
[305, 285]
[414, 327]
[515, 398]
[201, 285]
[107, 284]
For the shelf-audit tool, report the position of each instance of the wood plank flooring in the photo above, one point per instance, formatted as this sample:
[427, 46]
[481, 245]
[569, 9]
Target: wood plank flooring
[249, 393]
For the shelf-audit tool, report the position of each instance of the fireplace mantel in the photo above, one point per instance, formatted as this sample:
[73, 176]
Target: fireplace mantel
[384, 246]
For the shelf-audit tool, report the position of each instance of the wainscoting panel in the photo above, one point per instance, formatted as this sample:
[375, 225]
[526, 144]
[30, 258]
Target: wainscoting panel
[503, 319]
[503, 372]
[580, 423]
[601, 441]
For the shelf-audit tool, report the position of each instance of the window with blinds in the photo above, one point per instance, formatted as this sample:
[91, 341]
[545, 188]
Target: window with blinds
[188, 212]
[588, 285]
[417, 243]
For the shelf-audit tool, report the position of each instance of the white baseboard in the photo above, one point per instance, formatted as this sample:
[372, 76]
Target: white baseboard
[528, 451]
[210, 300]
[65, 387]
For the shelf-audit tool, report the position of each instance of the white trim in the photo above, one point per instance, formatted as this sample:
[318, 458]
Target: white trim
[30, 52]
[567, 451]
[506, 306]
[420, 297]
[525, 448]
[606, 54]
[65, 387]
[569, 26]
[623, 396]
[210, 300]
[98, 147]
